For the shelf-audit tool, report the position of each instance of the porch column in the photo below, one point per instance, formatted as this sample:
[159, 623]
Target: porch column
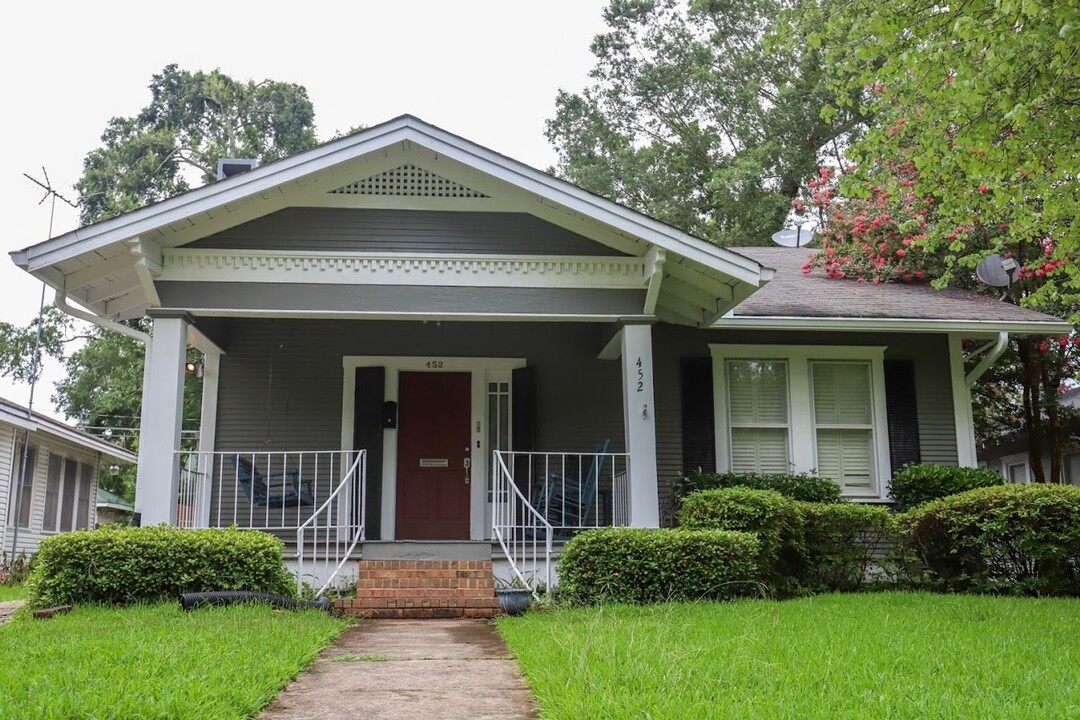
[159, 435]
[961, 396]
[639, 422]
[207, 434]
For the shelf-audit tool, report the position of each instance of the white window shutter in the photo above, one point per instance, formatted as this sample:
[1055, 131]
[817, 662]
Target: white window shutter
[846, 456]
[842, 394]
[759, 450]
[758, 407]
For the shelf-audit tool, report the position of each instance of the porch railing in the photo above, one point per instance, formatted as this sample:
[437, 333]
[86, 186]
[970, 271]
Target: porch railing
[190, 495]
[325, 542]
[524, 535]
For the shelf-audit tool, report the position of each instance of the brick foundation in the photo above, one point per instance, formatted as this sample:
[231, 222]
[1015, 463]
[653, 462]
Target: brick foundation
[423, 589]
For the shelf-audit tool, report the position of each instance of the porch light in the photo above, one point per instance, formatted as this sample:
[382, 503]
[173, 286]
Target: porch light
[195, 367]
[114, 470]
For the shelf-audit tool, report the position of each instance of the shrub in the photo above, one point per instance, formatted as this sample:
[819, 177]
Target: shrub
[14, 571]
[116, 564]
[772, 517]
[638, 565]
[808, 488]
[1012, 539]
[842, 543]
[914, 485]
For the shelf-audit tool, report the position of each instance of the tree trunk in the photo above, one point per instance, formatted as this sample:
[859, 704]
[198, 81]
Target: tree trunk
[1032, 404]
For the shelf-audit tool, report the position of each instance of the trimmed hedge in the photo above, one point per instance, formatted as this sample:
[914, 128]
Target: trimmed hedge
[772, 517]
[808, 488]
[913, 485]
[638, 565]
[839, 544]
[116, 564]
[1009, 539]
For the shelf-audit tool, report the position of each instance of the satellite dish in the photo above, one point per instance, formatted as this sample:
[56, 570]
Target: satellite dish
[998, 271]
[792, 238]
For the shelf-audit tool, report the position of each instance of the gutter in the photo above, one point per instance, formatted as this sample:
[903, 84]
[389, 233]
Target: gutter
[988, 360]
[61, 302]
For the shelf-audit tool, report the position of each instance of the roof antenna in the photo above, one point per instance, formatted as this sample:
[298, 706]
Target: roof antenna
[35, 359]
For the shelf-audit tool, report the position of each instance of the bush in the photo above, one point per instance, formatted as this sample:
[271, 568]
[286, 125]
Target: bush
[914, 485]
[841, 541]
[772, 517]
[808, 488]
[1011, 539]
[638, 565]
[116, 564]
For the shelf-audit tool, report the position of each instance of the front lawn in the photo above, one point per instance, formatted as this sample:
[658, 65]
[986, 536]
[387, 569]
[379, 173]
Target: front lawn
[155, 661]
[12, 592]
[888, 655]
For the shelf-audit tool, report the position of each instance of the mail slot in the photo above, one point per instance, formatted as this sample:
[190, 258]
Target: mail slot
[434, 462]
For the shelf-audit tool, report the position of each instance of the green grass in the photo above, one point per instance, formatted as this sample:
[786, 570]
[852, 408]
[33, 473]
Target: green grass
[155, 661]
[359, 658]
[12, 592]
[889, 655]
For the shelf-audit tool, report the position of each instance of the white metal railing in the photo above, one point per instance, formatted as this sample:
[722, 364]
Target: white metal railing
[523, 534]
[327, 539]
[190, 495]
[272, 490]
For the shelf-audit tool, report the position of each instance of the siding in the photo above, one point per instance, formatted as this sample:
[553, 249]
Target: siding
[7, 441]
[671, 344]
[328, 229]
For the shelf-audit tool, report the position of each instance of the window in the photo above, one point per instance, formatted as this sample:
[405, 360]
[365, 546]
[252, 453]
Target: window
[67, 494]
[1017, 472]
[498, 416]
[803, 409]
[14, 505]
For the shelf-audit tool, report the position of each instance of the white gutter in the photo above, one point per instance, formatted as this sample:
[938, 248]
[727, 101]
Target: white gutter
[989, 359]
[986, 328]
[61, 302]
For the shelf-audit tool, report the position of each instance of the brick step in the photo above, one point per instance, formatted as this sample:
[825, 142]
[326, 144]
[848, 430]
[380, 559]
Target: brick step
[423, 589]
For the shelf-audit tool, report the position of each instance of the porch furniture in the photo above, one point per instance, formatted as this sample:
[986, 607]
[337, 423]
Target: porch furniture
[566, 500]
[291, 491]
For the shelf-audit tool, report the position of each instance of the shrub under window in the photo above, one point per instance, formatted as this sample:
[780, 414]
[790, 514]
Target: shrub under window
[844, 543]
[809, 488]
[914, 485]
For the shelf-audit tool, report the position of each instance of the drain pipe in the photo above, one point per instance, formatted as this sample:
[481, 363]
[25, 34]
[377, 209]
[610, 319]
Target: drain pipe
[62, 303]
[988, 360]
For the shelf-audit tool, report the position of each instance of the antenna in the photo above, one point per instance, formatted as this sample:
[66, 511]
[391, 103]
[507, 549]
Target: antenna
[793, 238]
[998, 271]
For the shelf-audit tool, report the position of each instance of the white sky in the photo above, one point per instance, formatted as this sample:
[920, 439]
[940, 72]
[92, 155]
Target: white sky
[485, 69]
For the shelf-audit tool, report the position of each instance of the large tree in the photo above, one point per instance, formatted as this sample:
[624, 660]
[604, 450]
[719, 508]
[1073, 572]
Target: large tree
[192, 120]
[693, 117]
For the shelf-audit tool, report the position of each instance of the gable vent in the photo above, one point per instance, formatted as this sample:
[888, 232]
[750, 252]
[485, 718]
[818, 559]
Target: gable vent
[408, 181]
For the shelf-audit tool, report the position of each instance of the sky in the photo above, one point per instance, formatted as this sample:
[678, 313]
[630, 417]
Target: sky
[488, 70]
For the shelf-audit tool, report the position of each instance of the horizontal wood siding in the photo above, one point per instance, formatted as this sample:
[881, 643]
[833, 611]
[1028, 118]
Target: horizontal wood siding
[333, 229]
[7, 442]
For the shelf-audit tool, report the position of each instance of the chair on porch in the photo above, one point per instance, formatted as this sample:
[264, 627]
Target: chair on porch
[291, 491]
[566, 500]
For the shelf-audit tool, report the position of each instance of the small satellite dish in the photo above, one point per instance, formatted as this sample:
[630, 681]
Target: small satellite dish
[796, 237]
[998, 271]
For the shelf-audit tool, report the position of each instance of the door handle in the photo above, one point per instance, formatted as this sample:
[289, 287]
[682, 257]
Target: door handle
[468, 466]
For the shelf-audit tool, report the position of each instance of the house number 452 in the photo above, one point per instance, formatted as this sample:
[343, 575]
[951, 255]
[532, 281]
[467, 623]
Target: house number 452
[640, 376]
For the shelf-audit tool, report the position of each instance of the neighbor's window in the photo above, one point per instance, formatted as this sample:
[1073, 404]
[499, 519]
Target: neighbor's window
[844, 422]
[758, 415]
[67, 494]
[27, 486]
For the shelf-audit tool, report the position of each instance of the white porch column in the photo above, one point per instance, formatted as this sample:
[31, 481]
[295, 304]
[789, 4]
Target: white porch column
[639, 421]
[159, 436]
[961, 397]
[207, 434]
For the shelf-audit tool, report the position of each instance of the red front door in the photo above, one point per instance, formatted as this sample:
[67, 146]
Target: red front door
[433, 452]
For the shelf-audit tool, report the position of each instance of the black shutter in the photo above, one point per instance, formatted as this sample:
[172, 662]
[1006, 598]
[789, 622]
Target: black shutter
[524, 410]
[902, 412]
[368, 435]
[698, 424]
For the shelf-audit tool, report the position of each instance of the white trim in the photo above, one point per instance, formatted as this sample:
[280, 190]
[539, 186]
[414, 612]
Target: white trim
[639, 424]
[495, 315]
[989, 328]
[654, 272]
[803, 457]
[963, 420]
[208, 432]
[418, 269]
[478, 368]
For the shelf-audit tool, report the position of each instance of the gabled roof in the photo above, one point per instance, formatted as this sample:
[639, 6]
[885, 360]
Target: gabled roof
[111, 500]
[813, 300]
[20, 417]
[110, 266]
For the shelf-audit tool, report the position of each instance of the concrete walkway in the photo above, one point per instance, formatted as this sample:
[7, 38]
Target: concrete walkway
[405, 669]
[7, 609]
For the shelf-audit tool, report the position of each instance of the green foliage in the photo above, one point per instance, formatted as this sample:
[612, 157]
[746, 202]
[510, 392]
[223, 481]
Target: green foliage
[17, 360]
[692, 117]
[193, 120]
[809, 488]
[14, 569]
[115, 564]
[1009, 539]
[156, 661]
[913, 485]
[771, 517]
[842, 543]
[638, 565]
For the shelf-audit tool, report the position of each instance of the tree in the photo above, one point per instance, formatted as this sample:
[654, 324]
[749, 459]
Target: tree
[693, 118]
[192, 120]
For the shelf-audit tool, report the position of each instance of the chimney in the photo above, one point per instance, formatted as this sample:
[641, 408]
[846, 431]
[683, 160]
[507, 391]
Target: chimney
[227, 167]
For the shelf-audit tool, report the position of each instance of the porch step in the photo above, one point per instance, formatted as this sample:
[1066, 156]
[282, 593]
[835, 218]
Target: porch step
[425, 550]
[424, 588]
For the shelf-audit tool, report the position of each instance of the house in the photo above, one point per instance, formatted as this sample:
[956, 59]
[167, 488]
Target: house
[1009, 454]
[409, 338]
[112, 509]
[59, 485]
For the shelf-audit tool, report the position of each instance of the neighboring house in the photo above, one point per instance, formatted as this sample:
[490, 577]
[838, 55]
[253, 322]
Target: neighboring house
[1009, 455]
[60, 483]
[518, 357]
[112, 509]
